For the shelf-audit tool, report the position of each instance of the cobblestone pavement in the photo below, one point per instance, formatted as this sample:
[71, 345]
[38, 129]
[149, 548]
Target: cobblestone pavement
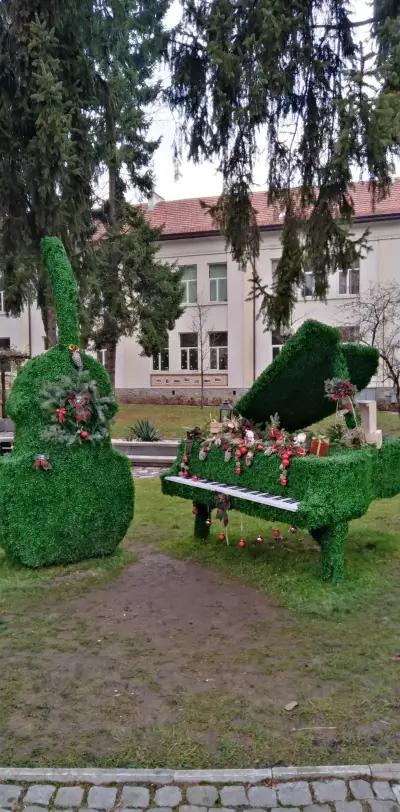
[342, 789]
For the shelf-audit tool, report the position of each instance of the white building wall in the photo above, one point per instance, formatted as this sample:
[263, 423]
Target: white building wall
[134, 372]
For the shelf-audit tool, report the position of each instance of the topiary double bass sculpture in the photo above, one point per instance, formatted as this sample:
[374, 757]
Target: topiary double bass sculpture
[66, 495]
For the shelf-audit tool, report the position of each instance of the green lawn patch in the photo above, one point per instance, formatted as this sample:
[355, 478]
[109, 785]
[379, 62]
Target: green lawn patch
[170, 420]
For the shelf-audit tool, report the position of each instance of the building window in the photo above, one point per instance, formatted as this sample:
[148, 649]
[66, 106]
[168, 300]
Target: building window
[218, 282]
[274, 265]
[278, 340]
[349, 281]
[189, 282]
[189, 351]
[101, 356]
[219, 351]
[161, 361]
[350, 333]
[308, 284]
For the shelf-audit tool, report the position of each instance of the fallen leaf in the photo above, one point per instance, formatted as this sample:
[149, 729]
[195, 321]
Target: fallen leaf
[291, 706]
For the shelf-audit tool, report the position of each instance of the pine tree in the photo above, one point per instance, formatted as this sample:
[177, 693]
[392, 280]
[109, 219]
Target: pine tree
[323, 91]
[128, 290]
[46, 157]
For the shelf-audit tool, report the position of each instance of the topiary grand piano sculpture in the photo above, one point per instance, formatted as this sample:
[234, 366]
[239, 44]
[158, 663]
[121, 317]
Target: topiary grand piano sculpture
[323, 493]
[65, 494]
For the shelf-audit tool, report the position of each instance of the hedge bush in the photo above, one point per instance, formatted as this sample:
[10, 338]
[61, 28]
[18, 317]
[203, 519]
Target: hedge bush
[293, 385]
[82, 507]
[362, 363]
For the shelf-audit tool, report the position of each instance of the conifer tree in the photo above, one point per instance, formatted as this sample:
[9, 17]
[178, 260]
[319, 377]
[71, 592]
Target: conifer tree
[322, 90]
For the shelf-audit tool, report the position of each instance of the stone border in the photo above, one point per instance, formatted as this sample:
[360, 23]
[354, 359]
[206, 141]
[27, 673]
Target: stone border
[111, 776]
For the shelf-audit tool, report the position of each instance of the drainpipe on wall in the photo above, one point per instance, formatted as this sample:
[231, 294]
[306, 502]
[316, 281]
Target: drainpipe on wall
[30, 329]
[254, 325]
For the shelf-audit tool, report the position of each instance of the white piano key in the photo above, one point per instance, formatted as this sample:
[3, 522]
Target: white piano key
[271, 500]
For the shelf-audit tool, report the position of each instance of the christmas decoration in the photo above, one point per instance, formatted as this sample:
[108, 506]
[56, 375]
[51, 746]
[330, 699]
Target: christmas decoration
[259, 539]
[319, 446]
[293, 529]
[76, 356]
[41, 463]
[82, 508]
[276, 534]
[242, 543]
[71, 401]
[221, 537]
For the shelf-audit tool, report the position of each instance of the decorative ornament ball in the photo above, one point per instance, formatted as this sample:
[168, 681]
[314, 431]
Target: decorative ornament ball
[293, 529]
[259, 539]
[84, 434]
[238, 469]
[208, 522]
[260, 447]
[226, 521]
[195, 477]
[283, 480]
[185, 474]
[249, 436]
[221, 537]
[276, 533]
[238, 453]
[194, 511]
[242, 543]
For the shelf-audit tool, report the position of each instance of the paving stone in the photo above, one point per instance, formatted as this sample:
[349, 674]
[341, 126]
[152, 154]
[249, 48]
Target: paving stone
[287, 809]
[317, 808]
[135, 797]
[9, 794]
[220, 809]
[69, 796]
[204, 795]
[262, 796]
[334, 790]
[384, 806]
[154, 809]
[348, 806]
[168, 796]
[102, 797]
[294, 794]
[383, 790]
[33, 809]
[189, 808]
[234, 796]
[396, 791]
[361, 790]
[39, 794]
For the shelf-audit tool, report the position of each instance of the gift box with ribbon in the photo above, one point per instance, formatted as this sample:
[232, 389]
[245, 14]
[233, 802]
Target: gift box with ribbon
[319, 446]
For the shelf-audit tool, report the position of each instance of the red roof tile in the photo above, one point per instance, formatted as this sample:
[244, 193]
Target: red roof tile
[180, 218]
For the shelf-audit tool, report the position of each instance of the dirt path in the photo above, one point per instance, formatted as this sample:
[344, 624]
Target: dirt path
[167, 664]
[140, 653]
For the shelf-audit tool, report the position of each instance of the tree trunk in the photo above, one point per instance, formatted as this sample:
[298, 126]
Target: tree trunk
[110, 361]
[51, 327]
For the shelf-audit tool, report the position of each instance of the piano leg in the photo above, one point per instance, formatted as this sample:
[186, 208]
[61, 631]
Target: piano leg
[201, 529]
[332, 539]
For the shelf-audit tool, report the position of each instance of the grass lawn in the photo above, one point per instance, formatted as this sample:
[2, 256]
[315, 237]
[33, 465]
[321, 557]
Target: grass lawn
[171, 420]
[183, 654]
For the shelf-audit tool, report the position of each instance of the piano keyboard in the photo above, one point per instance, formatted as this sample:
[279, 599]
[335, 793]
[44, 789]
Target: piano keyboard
[262, 498]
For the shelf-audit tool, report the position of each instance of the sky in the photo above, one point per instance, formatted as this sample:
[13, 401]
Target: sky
[200, 180]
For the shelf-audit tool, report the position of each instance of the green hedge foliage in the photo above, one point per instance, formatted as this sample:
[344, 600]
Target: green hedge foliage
[362, 363]
[331, 490]
[293, 385]
[83, 506]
